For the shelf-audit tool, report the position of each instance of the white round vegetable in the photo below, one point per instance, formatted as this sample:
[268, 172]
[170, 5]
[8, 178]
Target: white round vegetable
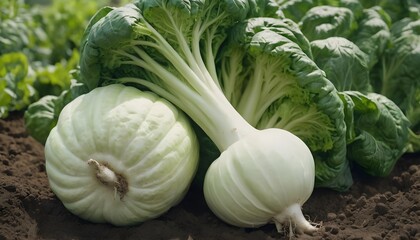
[120, 155]
[264, 177]
[261, 175]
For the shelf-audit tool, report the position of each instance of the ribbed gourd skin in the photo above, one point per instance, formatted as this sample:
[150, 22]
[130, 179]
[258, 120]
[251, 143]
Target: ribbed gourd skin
[139, 136]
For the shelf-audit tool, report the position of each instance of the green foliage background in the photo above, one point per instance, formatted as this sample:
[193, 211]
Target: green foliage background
[39, 47]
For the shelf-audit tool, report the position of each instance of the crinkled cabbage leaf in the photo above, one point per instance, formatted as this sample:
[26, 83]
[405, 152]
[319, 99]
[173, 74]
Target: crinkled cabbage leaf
[373, 35]
[345, 65]
[327, 21]
[379, 133]
[399, 72]
[278, 85]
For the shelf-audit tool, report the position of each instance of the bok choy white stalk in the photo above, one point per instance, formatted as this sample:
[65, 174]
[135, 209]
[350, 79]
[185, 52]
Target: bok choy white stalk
[170, 47]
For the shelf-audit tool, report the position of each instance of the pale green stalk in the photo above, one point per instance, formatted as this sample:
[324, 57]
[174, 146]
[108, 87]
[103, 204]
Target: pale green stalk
[193, 89]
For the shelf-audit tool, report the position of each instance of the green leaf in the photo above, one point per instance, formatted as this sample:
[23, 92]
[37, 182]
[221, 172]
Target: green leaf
[294, 9]
[95, 18]
[373, 34]
[381, 132]
[345, 65]
[397, 9]
[16, 85]
[40, 118]
[53, 79]
[277, 84]
[327, 21]
[109, 29]
[398, 74]
[42, 115]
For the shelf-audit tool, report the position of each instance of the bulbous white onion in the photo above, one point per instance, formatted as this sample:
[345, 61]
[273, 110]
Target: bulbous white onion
[261, 178]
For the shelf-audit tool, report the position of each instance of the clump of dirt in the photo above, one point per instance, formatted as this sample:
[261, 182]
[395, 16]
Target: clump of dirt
[374, 208]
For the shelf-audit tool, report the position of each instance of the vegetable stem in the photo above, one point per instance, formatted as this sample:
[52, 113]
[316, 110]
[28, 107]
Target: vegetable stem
[198, 94]
[108, 177]
[252, 95]
[293, 214]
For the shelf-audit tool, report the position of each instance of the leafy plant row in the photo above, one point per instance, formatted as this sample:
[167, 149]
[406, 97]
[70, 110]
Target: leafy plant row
[341, 75]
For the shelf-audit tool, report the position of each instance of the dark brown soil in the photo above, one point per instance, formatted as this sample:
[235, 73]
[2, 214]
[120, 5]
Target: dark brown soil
[374, 208]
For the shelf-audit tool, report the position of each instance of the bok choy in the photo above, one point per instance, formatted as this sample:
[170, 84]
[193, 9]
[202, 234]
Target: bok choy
[170, 47]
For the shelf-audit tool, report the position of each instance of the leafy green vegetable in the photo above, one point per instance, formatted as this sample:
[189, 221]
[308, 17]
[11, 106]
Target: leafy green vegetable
[327, 21]
[66, 19]
[358, 46]
[373, 35]
[16, 90]
[20, 31]
[384, 30]
[294, 9]
[171, 48]
[54, 79]
[35, 62]
[377, 130]
[345, 65]
[42, 115]
[277, 85]
[381, 132]
[397, 9]
[399, 72]
[22, 84]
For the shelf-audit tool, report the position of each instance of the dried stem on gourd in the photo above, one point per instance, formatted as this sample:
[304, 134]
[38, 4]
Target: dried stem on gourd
[108, 177]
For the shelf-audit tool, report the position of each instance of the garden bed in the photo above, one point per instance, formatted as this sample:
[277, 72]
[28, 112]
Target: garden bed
[374, 208]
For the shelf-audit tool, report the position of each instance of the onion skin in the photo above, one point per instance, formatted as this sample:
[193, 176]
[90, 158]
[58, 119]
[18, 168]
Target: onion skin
[260, 176]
